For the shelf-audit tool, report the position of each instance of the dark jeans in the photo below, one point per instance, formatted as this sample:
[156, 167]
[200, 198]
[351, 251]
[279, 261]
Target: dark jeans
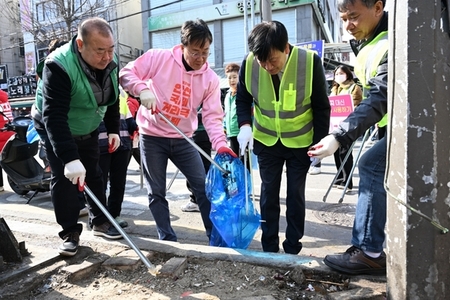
[370, 216]
[343, 176]
[271, 161]
[155, 153]
[205, 145]
[114, 166]
[65, 194]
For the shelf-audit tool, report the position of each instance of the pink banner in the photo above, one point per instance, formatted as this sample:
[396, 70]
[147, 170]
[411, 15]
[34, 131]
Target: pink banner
[341, 107]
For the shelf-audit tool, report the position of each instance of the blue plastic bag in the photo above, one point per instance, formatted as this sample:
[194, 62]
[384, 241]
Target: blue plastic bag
[32, 134]
[234, 217]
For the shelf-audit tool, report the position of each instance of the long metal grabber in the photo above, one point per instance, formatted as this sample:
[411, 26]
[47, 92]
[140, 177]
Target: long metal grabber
[339, 171]
[355, 163]
[172, 180]
[144, 259]
[193, 144]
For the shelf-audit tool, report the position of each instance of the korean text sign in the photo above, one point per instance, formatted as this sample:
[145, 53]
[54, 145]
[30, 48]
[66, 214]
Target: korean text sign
[341, 107]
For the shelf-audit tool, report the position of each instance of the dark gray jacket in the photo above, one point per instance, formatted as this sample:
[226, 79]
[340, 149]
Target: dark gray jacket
[374, 106]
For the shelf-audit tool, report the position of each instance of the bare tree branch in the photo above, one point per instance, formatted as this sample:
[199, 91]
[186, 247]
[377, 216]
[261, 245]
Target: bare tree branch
[50, 19]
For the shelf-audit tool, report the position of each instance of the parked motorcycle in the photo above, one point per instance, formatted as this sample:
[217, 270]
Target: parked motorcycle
[24, 172]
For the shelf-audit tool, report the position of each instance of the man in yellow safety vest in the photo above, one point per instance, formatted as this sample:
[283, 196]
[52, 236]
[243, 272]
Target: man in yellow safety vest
[286, 88]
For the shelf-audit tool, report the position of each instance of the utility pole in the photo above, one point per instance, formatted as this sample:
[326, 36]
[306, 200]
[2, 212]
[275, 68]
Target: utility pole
[266, 10]
[417, 165]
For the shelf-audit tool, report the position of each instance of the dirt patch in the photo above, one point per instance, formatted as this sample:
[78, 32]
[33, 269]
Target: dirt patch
[201, 279]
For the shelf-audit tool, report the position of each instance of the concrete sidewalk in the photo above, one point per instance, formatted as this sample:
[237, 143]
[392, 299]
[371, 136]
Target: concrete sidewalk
[327, 227]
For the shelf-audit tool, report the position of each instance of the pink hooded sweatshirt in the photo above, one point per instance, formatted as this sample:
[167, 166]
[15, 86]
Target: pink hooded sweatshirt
[179, 93]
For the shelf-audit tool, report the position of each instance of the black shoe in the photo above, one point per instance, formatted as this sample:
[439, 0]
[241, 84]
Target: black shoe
[292, 249]
[355, 262]
[70, 245]
[106, 230]
[122, 223]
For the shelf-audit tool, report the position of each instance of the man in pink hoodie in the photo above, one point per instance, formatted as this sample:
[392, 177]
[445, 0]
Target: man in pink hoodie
[176, 82]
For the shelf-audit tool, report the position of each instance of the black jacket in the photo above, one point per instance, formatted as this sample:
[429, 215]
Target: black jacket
[372, 109]
[57, 85]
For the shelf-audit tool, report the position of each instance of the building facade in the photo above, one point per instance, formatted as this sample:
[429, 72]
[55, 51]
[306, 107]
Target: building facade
[12, 56]
[305, 20]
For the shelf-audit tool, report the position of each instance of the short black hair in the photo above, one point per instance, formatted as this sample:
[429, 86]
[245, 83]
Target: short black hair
[342, 4]
[267, 36]
[90, 25]
[195, 33]
[344, 69]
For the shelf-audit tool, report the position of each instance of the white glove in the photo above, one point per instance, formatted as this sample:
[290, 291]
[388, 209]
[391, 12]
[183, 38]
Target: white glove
[245, 138]
[326, 147]
[148, 99]
[113, 142]
[75, 172]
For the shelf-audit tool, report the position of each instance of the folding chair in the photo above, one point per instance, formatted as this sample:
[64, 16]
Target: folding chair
[367, 136]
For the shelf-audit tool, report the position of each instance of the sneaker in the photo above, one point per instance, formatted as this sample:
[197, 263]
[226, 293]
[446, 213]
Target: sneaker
[314, 171]
[122, 223]
[84, 212]
[106, 230]
[190, 207]
[354, 261]
[70, 245]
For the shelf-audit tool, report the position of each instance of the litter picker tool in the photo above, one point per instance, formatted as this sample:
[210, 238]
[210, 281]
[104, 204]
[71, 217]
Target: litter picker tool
[193, 143]
[169, 185]
[365, 138]
[144, 259]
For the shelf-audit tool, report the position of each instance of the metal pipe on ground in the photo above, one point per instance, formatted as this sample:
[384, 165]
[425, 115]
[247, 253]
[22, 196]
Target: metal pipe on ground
[144, 259]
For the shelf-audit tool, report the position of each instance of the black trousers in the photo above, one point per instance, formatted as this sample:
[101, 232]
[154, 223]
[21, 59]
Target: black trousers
[114, 166]
[271, 162]
[65, 194]
[343, 176]
[234, 145]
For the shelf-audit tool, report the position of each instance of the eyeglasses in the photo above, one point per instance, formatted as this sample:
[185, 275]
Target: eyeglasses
[196, 55]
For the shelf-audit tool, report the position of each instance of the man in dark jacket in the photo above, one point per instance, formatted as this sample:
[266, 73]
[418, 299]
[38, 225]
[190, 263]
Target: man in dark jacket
[367, 21]
[79, 89]
[286, 88]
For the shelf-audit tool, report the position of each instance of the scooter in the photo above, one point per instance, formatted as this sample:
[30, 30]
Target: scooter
[24, 172]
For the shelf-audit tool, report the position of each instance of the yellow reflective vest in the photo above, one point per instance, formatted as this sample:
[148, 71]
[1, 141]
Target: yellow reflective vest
[290, 118]
[367, 62]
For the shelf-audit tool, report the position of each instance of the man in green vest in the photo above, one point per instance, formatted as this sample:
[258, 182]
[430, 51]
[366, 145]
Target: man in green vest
[286, 87]
[79, 89]
[367, 21]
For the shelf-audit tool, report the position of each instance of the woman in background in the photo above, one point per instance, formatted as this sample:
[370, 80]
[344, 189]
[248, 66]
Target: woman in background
[344, 84]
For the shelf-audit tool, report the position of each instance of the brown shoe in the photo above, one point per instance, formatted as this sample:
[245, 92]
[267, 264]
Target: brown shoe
[355, 262]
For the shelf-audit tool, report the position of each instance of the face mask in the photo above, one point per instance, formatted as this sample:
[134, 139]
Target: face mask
[340, 78]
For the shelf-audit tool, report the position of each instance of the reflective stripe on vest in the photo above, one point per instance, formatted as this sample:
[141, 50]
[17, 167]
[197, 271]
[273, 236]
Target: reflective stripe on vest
[290, 118]
[367, 63]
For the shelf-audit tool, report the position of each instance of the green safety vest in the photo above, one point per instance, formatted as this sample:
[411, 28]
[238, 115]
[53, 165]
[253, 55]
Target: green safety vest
[290, 118]
[367, 62]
